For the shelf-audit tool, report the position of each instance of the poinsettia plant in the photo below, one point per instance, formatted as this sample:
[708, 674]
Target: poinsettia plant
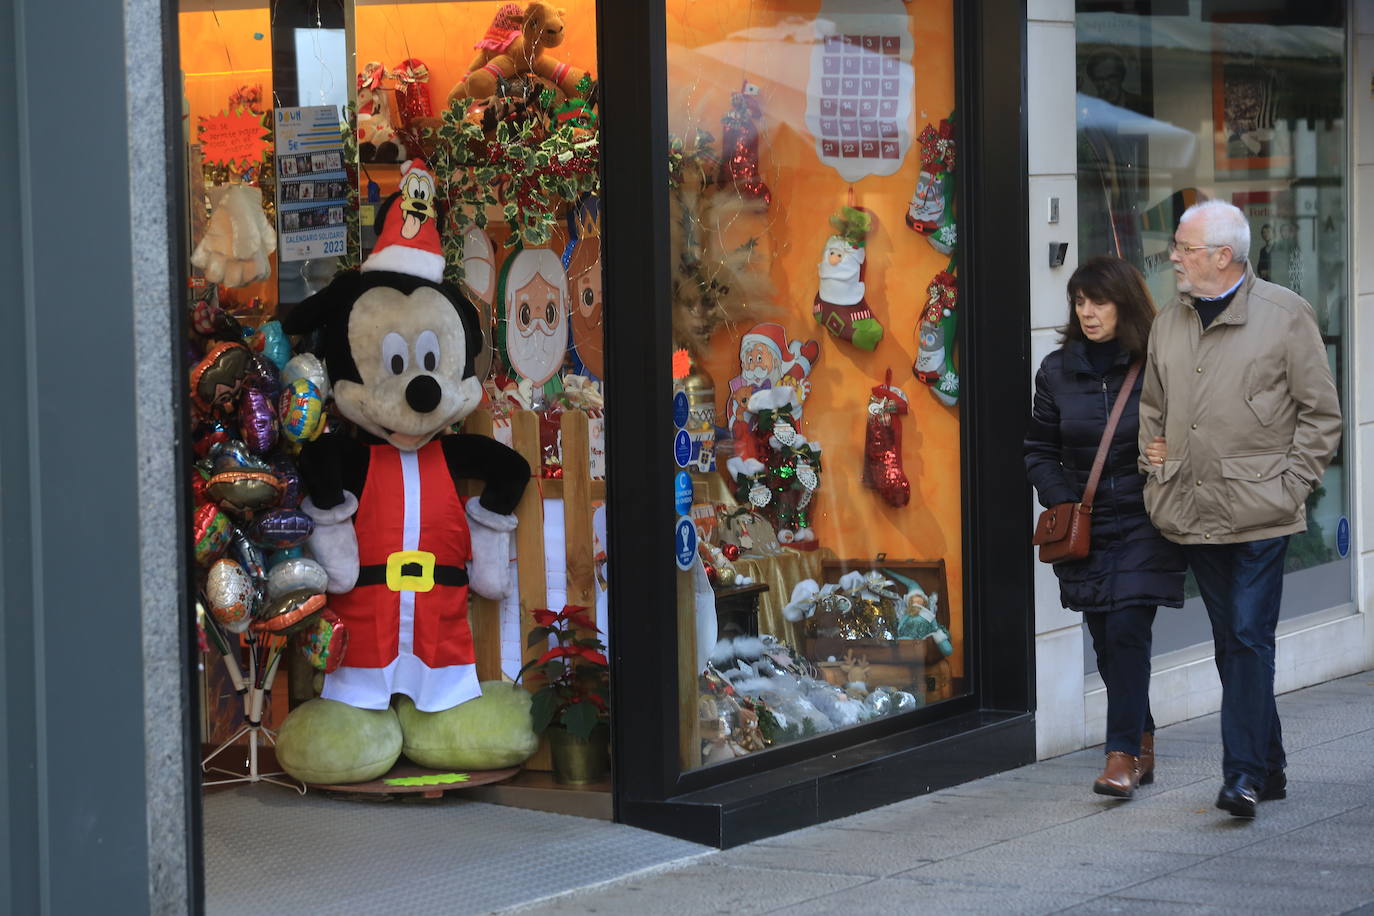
[573, 675]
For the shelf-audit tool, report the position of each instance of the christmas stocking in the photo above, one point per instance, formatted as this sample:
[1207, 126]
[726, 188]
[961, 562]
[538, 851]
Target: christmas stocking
[882, 467]
[840, 306]
[930, 212]
[934, 359]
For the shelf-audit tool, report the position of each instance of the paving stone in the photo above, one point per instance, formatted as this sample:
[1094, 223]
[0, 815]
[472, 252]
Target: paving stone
[903, 895]
[1137, 907]
[1036, 866]
[1278, 887]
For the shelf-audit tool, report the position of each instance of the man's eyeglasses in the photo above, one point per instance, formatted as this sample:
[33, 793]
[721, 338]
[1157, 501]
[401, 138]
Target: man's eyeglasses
[1175, 245]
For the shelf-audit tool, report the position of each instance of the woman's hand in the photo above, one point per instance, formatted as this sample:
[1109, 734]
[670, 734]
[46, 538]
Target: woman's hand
[1157, 450]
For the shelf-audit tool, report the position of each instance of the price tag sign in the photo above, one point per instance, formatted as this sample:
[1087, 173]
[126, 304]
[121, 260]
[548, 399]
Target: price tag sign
[685, 543]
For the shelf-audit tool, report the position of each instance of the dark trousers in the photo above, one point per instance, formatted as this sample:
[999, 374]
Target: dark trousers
[1241, 585]
[1121, 640]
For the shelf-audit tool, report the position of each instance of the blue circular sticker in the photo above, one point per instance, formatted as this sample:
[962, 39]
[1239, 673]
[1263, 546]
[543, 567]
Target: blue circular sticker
[1343, 537]
[680, 409]
[682, 448]
[685, 543]
[682, 492]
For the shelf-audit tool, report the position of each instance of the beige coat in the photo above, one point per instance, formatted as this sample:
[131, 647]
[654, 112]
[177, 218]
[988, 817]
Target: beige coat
[1249, 412]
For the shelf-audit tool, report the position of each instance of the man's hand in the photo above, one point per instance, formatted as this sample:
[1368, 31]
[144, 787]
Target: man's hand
[1157, 451]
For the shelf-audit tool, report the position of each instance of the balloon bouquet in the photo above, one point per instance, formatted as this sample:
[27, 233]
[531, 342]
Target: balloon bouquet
[253, 404]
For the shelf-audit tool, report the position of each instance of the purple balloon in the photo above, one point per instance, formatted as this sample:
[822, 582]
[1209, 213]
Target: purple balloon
[284, 466]
[264, 376]
[257, 420]
[279, 529]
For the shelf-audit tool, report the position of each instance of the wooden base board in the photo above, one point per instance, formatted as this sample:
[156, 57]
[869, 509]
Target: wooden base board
[537, 791]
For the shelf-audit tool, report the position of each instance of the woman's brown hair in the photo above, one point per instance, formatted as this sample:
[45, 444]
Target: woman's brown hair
[1109, 279]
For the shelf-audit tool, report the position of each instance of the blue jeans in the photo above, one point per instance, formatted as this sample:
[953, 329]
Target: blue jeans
[1121, 640]
[1241, 585]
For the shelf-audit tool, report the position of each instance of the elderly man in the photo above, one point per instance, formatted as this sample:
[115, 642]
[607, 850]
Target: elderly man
[1238, 420]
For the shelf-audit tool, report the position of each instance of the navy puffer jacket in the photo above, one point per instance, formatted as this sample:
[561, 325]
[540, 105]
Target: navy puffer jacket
[1130, 564]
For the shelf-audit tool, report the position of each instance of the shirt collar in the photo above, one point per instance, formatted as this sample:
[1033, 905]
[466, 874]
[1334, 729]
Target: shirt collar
[1223, 295]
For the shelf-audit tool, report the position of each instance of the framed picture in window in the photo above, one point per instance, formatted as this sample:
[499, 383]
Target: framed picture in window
[1249, 135]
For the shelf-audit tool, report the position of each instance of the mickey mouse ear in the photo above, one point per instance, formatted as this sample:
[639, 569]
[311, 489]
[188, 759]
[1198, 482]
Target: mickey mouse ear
[315, 311]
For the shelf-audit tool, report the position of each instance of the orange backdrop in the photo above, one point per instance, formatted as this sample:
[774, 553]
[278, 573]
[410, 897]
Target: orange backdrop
[442, 35]
[713, 47]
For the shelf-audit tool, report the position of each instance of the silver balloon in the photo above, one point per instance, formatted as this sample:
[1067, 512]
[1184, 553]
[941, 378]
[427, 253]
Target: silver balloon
[307, 366]
[231, 594]
[295, 575]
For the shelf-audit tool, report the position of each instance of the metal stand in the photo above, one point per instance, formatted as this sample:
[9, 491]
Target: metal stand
[254, 689]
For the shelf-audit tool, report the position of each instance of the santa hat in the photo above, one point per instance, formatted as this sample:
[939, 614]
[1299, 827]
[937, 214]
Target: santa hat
[774, 337]
[408, 242]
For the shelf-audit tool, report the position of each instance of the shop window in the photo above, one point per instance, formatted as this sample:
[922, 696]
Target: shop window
[510, 154]
[1245, 103]
[816, 368]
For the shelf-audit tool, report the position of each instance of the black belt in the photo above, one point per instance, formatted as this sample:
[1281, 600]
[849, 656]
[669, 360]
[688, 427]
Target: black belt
[375, 574]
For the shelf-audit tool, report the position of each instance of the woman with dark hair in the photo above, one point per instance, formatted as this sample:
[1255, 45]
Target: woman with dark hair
[1131, 569]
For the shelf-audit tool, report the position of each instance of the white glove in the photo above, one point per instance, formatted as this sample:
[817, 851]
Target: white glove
[489, 568]
[334, 543]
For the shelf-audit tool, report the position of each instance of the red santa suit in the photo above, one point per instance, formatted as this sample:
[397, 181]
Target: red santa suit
[407, 616]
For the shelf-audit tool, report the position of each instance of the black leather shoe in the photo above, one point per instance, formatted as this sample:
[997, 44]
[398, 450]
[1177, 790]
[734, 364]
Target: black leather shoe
[1239, 795]
[1275, 786]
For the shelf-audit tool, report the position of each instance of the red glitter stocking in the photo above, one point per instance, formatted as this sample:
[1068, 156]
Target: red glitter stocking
[882, 467]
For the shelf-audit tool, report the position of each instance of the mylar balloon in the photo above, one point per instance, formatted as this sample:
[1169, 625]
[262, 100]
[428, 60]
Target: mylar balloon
[249, 556]
[211, 530]
[281, 556]
[324, 642]
[235, 456]
[206, 436]
[231, 595]
[264, 376]
[218, 377]
[270, 340]
[257, 420]
[241, 492]
[288, 613]
[301, 410]
[307, 365]
[296, 575]
[284, 466]
[281, 528]
[212, 321]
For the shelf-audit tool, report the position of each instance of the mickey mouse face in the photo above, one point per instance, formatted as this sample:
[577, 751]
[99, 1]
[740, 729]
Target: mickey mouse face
[410, 352]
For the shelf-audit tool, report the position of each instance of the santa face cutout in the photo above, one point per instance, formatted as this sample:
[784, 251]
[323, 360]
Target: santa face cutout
[584, 276]
[534, 312]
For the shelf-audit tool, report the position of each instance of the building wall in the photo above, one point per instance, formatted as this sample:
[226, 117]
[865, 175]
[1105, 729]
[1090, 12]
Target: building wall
[1071, 708]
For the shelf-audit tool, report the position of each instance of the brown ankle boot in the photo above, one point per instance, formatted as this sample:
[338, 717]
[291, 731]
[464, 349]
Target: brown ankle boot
[1147, 758]
[1120, 776]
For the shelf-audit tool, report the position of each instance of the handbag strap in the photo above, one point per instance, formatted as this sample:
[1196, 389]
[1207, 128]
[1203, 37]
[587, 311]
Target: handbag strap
[1117, 410]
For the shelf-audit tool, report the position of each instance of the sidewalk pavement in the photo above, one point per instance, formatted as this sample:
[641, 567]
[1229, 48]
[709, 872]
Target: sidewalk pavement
[1036, 840]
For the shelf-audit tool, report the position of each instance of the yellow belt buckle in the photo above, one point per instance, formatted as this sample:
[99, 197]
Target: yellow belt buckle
[398, 581]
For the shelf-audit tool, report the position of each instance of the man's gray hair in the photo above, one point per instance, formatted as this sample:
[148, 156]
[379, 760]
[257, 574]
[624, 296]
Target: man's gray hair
[1225, 225]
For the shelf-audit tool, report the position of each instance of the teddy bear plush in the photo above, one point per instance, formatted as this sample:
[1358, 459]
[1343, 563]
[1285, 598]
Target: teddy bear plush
[514, 44]
[401, 547]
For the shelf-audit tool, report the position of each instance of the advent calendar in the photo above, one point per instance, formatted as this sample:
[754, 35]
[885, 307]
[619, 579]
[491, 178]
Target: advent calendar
[859, 92]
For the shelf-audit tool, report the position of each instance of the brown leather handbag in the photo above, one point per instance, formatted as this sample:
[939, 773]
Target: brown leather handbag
[1064, 532]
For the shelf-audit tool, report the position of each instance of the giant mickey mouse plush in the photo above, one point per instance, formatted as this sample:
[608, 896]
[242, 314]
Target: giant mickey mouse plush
[401, 548]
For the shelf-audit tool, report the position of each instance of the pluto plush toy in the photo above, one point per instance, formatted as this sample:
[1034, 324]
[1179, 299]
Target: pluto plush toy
[401, 548]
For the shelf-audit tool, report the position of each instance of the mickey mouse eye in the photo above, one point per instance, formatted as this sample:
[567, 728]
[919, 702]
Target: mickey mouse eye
[427, 350]
[395, 353]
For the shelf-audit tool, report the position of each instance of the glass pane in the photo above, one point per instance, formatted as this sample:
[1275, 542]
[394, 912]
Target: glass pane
[1246, 105]
[816, 367]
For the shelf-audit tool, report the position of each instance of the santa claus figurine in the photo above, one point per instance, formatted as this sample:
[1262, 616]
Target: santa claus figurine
[840, 306]
[767, 360]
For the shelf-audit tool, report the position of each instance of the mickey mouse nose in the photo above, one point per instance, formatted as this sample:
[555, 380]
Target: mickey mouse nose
[423, 394]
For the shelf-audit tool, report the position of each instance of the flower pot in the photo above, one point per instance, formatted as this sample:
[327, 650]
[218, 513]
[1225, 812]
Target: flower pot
[578, 761]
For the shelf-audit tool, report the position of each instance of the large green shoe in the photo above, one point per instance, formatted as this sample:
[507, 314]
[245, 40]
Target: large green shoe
[329, 743]
[489, 732]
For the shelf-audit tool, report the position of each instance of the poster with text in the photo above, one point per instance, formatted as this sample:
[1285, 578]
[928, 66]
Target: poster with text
[312, 186]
